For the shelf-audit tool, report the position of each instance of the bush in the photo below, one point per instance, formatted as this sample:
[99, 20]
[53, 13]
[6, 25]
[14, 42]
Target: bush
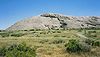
[72, 46]
[96, 43]
[15, 50]
[91, 34]
[89, 41]
[56, 36]
[58, 31]
[17, 34]
[84, 47]
[4, 34]
[58, 41]
[76, 46]
[32, 30]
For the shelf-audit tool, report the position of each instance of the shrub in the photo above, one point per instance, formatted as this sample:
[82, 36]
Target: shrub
[38, 29]
[79, 30]
[58, 31]
[89, 41]
[43, 41]
[53, 31]
[17, 34]
[76, 46]
[43, 32]
[56, 36]
[92, 34]
[58, 41]
[84, 47]
[0, 30]
[32, 30]
[96, 43]
[4, 34]
[72, 46]
[63, 36]
[37, 36]
[25, 30]
[20, 50]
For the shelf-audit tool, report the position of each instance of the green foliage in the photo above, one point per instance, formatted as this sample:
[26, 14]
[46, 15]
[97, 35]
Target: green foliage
[32, 30]
[58, 41]
[0, 30]
[20, 50]
[79, 30]
[4, 34]
[53, 31]
[43, 32]
[58, 31]
[84, 47]
[56, 36]
[25, 30]
[92, 42]
[76, 46]
[91, 33]
[43, 41]
[72, 46]
[17, 34]
[96, 43]
[89, 41]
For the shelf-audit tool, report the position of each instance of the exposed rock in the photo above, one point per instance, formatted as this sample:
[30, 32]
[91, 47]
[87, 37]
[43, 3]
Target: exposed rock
[50, 20]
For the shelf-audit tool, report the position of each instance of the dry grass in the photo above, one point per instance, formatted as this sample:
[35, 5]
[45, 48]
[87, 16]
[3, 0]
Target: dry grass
[44, 45]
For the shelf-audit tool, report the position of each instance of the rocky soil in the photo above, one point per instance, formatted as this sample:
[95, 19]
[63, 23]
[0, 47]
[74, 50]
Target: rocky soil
[53, 21]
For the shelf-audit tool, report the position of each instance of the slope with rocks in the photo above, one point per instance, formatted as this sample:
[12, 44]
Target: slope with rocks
[51, 20]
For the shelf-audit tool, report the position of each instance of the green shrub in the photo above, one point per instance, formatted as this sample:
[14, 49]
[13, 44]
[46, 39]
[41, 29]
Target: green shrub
[25, 30]
[58, 31]
[58, 41]
[56, 36]
[43, 32]
[79, 30]
[32, 30]
[20, 50]
[72, 46]
[53, 31]
[91, 34]
[4, 34]
[96, 43]
[84, 47]
[38, 29]
[37, 36]
[43, 41]
[89, 41]
[76, 46]
[17, 34]
[63, 36]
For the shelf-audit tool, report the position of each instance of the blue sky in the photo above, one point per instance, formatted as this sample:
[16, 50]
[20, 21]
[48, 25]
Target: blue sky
[12, 11]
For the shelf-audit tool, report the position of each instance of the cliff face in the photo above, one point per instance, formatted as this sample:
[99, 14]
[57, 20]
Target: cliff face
[50, 20]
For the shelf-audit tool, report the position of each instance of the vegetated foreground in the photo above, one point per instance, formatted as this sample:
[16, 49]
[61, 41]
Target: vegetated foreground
[50, 43]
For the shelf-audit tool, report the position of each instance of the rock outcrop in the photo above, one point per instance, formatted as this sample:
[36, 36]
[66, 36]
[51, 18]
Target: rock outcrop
[52, 21]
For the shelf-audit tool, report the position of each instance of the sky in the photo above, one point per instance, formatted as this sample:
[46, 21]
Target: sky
[12, 11]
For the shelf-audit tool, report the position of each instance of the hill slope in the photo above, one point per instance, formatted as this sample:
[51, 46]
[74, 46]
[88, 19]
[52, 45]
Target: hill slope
[50, 20]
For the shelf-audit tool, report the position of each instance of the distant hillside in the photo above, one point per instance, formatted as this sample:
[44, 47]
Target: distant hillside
[52, 21]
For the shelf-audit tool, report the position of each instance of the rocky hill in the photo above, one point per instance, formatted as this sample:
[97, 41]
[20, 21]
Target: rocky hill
[52, 21]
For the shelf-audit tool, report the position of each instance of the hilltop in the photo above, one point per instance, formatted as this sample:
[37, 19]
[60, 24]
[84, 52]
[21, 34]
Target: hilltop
[53, 21]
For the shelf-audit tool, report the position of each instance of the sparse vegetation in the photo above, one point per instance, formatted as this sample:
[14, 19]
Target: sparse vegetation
[52, 43]
[17, 50]
[17, 34]
[4, 34]
[58, 41]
